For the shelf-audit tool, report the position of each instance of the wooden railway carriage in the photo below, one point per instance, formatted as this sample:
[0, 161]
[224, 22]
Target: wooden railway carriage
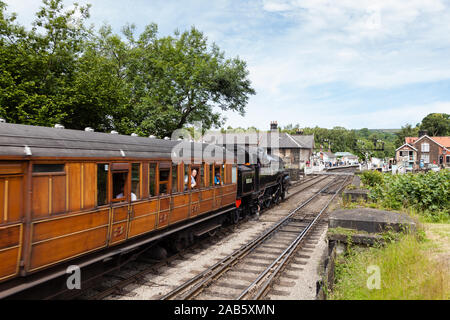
[67, 193]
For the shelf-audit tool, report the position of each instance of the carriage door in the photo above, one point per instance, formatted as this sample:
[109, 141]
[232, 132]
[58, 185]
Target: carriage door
[120, 189]
[12, 189]
[195, 191]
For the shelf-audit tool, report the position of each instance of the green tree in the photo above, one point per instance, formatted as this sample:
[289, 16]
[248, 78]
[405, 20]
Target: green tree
[63, 72]
[406, 131]
[182, 80]
[436, 124]
[38, 66]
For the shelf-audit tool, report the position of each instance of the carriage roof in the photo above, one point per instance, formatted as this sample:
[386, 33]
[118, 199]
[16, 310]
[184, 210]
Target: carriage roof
[27, 141]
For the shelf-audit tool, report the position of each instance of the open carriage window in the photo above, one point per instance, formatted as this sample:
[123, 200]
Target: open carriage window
[119, 186]
[218, 175]
[194, 179]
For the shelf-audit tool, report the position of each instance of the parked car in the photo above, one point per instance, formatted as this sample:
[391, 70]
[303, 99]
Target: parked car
[433, 167]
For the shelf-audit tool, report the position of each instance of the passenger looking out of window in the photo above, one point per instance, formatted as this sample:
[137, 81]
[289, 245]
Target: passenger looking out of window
[193, 176]
[217, 179]
[121, 194]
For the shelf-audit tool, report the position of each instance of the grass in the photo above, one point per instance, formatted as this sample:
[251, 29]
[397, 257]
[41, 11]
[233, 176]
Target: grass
[413, 268]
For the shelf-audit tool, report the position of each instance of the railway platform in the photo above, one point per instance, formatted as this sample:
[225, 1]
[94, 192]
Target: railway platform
[371, 220]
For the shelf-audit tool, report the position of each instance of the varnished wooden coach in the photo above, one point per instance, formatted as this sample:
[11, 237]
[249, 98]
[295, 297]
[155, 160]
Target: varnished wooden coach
[67, 193]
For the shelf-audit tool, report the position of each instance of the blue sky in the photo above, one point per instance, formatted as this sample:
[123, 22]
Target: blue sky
[360, 63]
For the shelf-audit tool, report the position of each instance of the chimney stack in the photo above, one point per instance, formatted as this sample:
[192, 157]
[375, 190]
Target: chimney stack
[273, 126]
[299, 132]
[422, 133]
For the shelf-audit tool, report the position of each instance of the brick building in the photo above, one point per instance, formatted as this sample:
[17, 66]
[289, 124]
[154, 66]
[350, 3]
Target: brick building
[429, 150]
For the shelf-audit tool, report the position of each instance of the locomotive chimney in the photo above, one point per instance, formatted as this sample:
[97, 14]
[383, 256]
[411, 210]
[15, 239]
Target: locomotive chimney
[273, 126]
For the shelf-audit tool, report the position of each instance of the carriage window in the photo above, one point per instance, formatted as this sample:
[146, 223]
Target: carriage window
[218, 174]
[164, 174]
[135, 181]
[194, 173]
[234, 174]
[102, 184]
[174, 178]
[202, 176]
[152, 179]
[225, 179]
[211, 174]
[119, 186]
[187, 177]
[48, 168]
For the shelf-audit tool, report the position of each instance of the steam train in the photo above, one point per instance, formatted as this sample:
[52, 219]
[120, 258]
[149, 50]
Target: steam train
[72, 197]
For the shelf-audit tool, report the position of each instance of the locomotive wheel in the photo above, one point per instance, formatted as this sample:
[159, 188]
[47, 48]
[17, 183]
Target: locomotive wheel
[277, 199]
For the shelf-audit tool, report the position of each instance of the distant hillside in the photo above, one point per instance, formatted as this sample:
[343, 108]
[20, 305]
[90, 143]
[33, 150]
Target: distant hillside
[385, 130]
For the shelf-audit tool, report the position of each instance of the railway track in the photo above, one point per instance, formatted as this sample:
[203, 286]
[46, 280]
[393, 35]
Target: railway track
[262, 260]
[119, 281]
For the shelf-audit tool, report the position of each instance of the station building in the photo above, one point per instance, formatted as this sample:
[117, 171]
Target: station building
[426, 149]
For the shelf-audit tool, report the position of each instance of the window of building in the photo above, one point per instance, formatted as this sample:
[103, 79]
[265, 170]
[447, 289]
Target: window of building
[152, 179]
[447, 159]
[174, 178]
[425, 147]
[119, 186]
[135, 181]
[425, 158]
[102, 184]
[164, 175]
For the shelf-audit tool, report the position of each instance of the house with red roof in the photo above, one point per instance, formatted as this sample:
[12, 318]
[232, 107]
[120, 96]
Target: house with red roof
[426, 149]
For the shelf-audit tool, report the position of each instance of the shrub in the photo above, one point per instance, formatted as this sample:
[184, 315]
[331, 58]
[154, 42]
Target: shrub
[429, 192]
[372, 178]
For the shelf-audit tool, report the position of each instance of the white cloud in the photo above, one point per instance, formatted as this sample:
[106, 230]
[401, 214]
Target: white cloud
[277, 5]
[294, 45]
